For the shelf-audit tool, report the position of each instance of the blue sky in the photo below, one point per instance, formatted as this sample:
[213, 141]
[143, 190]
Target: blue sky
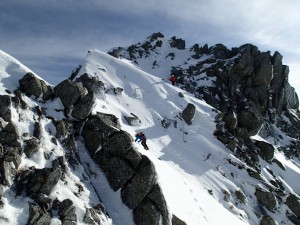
[52, 37]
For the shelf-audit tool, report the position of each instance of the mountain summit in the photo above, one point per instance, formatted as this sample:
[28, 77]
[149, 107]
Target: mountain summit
[223, 142]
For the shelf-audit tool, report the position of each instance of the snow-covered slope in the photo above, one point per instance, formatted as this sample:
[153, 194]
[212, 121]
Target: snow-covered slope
[192, 165]
[201, 179]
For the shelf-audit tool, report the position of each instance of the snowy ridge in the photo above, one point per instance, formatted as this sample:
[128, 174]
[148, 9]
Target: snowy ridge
[199, 176]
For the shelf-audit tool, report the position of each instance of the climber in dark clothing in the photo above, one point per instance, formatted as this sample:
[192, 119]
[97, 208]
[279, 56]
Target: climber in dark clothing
[143, 142]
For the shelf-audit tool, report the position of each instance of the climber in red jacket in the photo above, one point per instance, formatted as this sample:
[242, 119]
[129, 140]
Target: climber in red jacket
[173, 79]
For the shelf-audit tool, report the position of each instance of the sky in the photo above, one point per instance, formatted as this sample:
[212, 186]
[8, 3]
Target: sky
[52, 37]
[192, 165]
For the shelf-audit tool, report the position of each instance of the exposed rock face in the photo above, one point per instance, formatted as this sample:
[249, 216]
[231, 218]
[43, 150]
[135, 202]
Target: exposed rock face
[265, 198]
[31, 85]
[69, 92]
[177, 221]
[293, 203]
[267, 220]
[67, 212]
[31, 147]
[10, 135]
[90, 83]
[97, 129]
[37, 216]
[125, 169]
[43, 181]
[84, 107]
[265, 150]
[5, 103]
[188, 113]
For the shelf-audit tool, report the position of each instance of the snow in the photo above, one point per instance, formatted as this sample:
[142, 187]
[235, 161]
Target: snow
[191, 164]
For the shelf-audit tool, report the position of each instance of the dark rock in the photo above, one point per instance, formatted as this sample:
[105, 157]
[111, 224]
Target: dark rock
[146, 213]
[293, 202]
[188, 113]
[37, 130]
[69, 92]
[5, 104]
[279, 163]
[267, 220]
[84, 107]
[97, 129]
[155, 36]
[91, 83]
[42, 181]
[140, 184]
[132, 120]
[44, 202]
[19, 101]
[118, 91]
[158, 200]
[241, 196]
[278, 78]
[118, 144]
[263, 75]
[177, 221]
[250, 121]
[31, 85]
[265, 198]
[10, 135]
[115, 53]
[117, 170]
[181, 95]
[230, 120]
[37, 216]
[62, 127]
[31, 146]
[13, 154]
[265, 150]
[67, 212]
[93, 216]
[177, 43]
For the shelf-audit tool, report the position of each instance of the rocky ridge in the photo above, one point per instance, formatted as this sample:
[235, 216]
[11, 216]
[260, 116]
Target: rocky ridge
[249, 90]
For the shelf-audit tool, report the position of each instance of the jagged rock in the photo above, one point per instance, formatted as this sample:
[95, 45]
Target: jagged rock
[188, 113]
[267, 220]
[94, 215]
[18, 100]
[263, 76]
[177, 221]
[177, 43]
[230, 120]
[69, 92]
[265, 150]
[62, 127]
[118, 91]
[115, 53]
[31, 85]
[9, 135]
[250, 121]
[97, 129]
[221, 51]
[92, 84]
[265, 198]
[290, 98]
[241, 196]
[146, 213]
[37, 130]
[84, 107]
[278, 78]
[5, 103]
[117, 170]
[12, 154]
[31, 146]
[67, 212]
[158, 200]
[6, 172]
[44, 202]
[37, 216]
[43, 181]
[140, 184]
[293, 202]
[132, 120]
